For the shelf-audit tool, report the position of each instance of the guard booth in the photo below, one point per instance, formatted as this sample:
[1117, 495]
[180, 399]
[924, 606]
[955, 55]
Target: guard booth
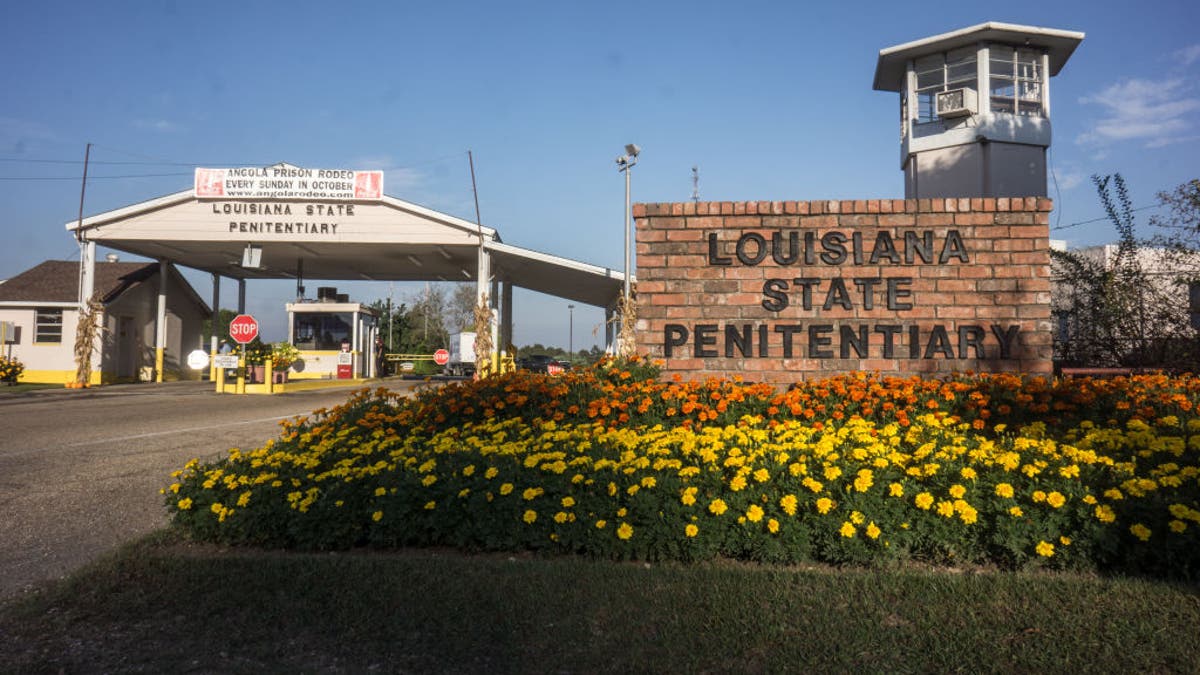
[334, 336]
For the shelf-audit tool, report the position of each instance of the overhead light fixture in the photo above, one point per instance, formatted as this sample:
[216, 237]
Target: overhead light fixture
[415, 260]
[252, 257]
[465, 273]
[444, 252]
[112, 257]
[632, 150]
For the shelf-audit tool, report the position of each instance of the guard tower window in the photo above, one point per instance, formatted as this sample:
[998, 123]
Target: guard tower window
[942, 72]
[47, 327]
[321, 331]
[1016, 81]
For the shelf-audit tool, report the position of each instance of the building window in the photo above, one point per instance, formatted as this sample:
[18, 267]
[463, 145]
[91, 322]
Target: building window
[321, 330]
[47, 327]
[1016, 81]
[941, 72]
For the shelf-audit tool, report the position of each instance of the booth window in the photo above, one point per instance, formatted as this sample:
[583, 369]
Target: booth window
[1016, 81]
[942, 72]
[47, 327]
[321, 330]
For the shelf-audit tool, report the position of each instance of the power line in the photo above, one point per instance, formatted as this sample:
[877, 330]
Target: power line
[75, 178]
[1096, 220]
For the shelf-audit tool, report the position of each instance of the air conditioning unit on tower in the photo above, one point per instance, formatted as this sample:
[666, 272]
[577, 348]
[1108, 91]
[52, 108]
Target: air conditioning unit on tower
[956, 103]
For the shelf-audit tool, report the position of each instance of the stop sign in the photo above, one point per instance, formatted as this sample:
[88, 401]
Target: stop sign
[441, 357]
[243, 328]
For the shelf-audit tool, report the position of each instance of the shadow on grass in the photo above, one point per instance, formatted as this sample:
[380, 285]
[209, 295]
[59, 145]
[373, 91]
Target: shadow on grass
[162, 604]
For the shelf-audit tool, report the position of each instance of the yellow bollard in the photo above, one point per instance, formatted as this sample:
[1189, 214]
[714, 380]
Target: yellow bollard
[241, 379]
[220, 380]
[270, 376]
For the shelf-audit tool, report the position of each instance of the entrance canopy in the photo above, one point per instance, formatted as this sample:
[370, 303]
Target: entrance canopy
[382, 239]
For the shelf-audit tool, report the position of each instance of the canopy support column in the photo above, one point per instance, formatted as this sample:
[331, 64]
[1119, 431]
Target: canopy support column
[160, 321]
[506, 316]
[214, 340]
[241, 296]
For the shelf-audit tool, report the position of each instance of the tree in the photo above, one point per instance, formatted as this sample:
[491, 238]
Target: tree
[1180, 227]
[461, 309]
[1120, 307]
[224, 316]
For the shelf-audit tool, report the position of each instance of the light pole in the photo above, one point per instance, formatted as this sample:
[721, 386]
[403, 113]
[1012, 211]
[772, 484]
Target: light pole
[571, 333]
[624, 163]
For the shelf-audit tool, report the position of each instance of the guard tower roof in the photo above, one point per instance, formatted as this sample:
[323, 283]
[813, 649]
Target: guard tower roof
[1059, 45]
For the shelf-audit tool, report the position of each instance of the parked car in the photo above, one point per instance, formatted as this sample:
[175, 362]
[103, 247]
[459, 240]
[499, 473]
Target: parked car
[538, 363]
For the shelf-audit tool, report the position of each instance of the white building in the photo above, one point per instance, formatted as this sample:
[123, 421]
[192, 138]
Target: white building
[42, 307]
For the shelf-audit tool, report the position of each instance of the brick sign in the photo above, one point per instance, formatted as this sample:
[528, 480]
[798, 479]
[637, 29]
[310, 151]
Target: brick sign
[776, 291]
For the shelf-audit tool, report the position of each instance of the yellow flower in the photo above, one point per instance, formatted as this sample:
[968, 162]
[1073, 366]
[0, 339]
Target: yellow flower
[468, 470]
[1065, 540]
[832, 472]
[506, 488]
[1004, 490]
[429, 480]
[1016, 512]
[754, 513]
[1045, 549]
[789, 503]
[847, 530]
[430, 505]
[633, 489]
[1113, 494]
[649, 482]
[957, 491]
[1039, 496]
[625, 531]
[738, 482]
[601, 524]
[762, 475]
[813, 485]
[967, 473]
[864, 480]
[945, 509]
[1177, 526]
[773, 526]
[689, 496]
[717, 507]
[621, 512]
[561, 517]
[568, 502]
[896, 490]
[491, 472]
[873, 530]
[1140, 531]
[530, 516]
[612, 489]
[244, 498]
[824, 505]
[185, 503]
[377, 516]
[1089, 500]
[857, 518]
[1055, 499]
[532, 493]
[691, 530]
[924, 501]
[464, 492]
[1105, 514]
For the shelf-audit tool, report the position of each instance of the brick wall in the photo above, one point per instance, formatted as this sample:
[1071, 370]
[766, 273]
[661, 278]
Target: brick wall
[779, 291]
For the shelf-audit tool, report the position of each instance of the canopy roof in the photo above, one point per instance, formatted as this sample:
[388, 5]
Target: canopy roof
[1059, 45]
[378, 240]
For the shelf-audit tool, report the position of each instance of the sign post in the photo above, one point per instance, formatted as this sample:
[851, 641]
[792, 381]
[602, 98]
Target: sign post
[243, 329]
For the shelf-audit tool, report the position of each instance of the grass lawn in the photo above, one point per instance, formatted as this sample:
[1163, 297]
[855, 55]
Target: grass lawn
[165, 605]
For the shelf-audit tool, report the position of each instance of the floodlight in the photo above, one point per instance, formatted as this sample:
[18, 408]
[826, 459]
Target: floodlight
[632, 150]
[252, 257]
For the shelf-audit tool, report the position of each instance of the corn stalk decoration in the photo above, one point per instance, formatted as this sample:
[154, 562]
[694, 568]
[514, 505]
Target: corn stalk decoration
[483, 337]
[85, 340]
[628, 311]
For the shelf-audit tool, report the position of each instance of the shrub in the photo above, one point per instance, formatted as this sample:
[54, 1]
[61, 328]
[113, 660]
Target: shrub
[10, 369]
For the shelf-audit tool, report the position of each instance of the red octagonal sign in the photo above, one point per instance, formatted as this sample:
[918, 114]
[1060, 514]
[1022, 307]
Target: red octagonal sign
[441, 357]
[243, 328]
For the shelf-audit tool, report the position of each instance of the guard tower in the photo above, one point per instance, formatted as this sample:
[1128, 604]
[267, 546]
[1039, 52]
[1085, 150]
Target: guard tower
[975, 108]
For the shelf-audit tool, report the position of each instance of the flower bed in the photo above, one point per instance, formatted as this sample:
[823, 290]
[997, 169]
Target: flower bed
[611, 462]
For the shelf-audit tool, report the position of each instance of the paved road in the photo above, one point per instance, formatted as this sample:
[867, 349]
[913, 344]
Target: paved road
[80, 470]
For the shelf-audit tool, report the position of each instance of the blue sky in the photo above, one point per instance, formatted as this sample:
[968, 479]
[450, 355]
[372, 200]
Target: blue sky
[771, 100]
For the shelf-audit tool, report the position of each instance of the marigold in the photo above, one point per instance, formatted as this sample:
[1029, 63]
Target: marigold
[377, 516]
[185, 503]
[691, 530]
[896, 490]
[847, 530]
[824, 505]
[601, 524]
[530, 516]
[430, 505]
[957, 491]
[1105, 514]
[1004, 490]
[773, 526]
[1056, 499]
[762, 475]
[1045, 549]
[924, 501]
[873, 530]
[754, 513]
[789, 503]
[506, 488]
[1177, 526]
[1016, 512]
[718, 506]
[1140, 531]
[625, 531]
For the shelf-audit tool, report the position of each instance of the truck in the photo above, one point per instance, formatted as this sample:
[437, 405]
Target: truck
[462, 354]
